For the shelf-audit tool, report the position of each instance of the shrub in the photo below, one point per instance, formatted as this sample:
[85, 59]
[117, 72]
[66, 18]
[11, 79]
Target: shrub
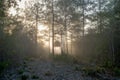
[3, 65]
[117, 71]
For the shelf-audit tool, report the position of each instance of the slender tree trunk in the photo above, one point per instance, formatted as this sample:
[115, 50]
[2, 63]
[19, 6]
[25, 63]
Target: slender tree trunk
[71, 43]
[66, 37]
[24, 44]
[36, 28]
[99, 17]
[61, 43]
[112, 47]
[66, 41]
[83, 34]
[112, 38]
[49, 41]
[53, 27]
[83, 17]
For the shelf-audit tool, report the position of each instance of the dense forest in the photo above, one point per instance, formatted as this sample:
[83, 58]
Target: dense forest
[75, 32]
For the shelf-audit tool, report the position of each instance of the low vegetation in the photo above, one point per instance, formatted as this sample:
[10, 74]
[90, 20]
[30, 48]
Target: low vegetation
[24, 77]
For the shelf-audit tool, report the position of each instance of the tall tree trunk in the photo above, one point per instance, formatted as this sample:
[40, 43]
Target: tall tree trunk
[112, 47]
[112, 37]
[2, 12]
[99, 17]
[53, 27]
[83, 17]
[71, 43]
[36, 28]
[66, 41]
[83, 31]
[61, 43]
[49, 41]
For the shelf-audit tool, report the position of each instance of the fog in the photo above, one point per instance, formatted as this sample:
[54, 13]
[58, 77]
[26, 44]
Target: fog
[48, 39]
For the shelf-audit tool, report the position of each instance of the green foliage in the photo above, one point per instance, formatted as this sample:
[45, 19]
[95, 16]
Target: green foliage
[93, 71]
[116, 71]
[3, 65]
[89, 71]
[100, 70]
[108, 64]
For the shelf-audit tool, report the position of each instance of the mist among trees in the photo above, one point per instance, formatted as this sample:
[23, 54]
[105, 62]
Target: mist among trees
[51, 37]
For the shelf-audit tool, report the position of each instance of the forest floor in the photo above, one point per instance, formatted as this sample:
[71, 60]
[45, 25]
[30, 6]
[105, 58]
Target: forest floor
[40, 69]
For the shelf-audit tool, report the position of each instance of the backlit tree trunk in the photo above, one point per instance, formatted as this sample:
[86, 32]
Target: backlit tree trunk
[53, 27]
[36, 27]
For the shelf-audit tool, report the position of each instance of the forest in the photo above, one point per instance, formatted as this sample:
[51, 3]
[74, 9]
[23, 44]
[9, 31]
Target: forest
[59, 39]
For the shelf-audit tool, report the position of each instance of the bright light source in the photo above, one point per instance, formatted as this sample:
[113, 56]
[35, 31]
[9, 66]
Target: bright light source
[12, 11]
[41, 27]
